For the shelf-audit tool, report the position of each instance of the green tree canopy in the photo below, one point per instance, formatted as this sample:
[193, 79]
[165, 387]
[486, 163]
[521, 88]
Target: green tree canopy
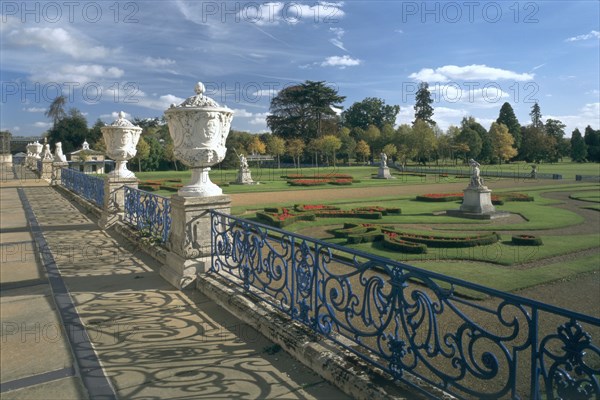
[578, 147]
[370, 111]
[536, 116]
[423, 108]
[592, 140]
[70, 130]
[56, 112]
[302, 111]
[507, 117]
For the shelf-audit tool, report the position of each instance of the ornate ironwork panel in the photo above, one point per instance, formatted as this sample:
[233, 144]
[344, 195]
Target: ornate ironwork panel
[148, 213]
[87, 186]
[413, 323]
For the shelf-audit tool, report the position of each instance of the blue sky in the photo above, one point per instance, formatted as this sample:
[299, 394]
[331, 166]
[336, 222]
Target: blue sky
[141, 56]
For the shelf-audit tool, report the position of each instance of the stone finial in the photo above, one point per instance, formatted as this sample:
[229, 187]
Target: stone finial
[199, 89]
[199, 100]
[121, 121]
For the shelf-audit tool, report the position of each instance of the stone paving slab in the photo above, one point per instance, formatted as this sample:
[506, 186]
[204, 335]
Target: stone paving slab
[63, 389]
[152, 340]
[33, 341]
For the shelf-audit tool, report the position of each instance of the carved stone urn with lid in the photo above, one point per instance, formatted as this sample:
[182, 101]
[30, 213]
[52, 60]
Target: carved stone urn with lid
[121, 138]
[199, 127]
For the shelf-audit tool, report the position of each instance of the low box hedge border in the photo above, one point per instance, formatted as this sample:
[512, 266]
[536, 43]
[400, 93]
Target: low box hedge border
[403, 246]
[276, 221]
[448, 242]
[526, 240]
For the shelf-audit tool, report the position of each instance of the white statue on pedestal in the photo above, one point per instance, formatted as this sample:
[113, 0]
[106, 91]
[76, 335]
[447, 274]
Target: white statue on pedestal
[383, 160]
[476, 179]
[58, 153]
[47, 154]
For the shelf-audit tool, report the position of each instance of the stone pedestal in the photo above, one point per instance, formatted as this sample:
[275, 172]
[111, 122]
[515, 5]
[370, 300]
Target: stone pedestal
[477, 200]
[190, 238]
[384, 173]
[46, 172]
[6, 160]
[114, 200]
[57, 168]
[244, 177]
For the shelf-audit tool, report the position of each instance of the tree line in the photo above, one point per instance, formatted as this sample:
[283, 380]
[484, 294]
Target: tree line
[308, 126]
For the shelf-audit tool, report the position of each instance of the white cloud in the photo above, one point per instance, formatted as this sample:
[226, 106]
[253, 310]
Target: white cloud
[110, 118]
[242, 113]
[44, 125]
[340, 62]
[586, 36]
[160, 103]
[80, 74]
[269, 93]
[589, 114]
[260, 119]
[158, 62]
[34, 109]
[468, 72]
[488, 96]
[337, 41]
[55, 40]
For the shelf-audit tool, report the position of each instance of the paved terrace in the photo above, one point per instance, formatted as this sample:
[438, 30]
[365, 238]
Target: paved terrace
[86, 315]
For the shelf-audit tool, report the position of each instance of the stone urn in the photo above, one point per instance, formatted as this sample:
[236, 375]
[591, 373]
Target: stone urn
[199, 128]
[121, 138]
[37, 150]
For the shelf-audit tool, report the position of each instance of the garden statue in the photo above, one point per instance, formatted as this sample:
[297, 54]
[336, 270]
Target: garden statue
[476, 180]
[533, 171]
[58, 153]
[383, 160]
[243, 162]
[46, 153]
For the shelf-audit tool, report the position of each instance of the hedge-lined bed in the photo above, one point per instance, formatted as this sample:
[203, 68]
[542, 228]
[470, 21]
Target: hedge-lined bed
[409, 242]
[497, 199]
[526, 240]
[282, 216]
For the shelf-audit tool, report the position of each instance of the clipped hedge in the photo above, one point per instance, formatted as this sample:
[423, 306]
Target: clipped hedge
[312, 207]
[348, 214]
[440, 197]
[281, 220]
[148, 188]
[448, 242]
[403, 246]
[370, 235]
[382, 210]
[526, 240]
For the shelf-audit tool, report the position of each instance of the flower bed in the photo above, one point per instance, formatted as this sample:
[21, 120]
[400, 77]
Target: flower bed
[393, 242]
[448, 241]
[440, 197]
[348, 214]
[382, 210]
[284, 218]
[526, 240]
[408, 242]
[497, 199]
[308, 182]
[341, 182]
[313, 207]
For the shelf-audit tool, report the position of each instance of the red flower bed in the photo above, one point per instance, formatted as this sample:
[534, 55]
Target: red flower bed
[308, 182]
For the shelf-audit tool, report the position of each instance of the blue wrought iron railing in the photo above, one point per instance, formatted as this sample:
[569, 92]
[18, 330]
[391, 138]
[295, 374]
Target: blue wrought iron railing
[88, 186]
[411, 322]
[148, 213]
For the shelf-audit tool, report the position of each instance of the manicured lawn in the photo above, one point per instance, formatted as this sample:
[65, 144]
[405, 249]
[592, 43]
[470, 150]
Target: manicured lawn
[568, 170]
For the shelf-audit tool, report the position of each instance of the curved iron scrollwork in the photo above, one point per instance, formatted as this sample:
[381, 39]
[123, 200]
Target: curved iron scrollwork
[89, 187]
[409, 321]
[148, 213]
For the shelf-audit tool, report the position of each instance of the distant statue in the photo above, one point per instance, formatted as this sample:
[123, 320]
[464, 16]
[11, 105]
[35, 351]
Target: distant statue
[46, 154]
[533, 171]
[383, 160]
[476, 180]
[58, 153]
[243, 162]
